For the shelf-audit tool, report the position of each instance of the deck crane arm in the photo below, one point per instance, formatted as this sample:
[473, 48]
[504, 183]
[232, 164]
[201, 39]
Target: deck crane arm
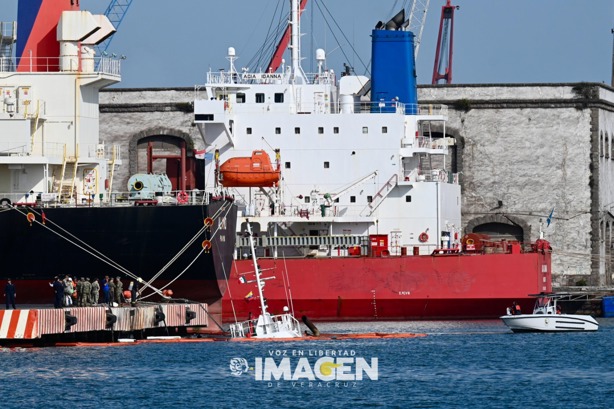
[331, 197]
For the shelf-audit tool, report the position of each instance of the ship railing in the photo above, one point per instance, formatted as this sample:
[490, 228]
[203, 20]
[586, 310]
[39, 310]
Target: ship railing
[51, 149]
[304, 211]
[102, 151]
[7, 64]
[429, 142]
[104, 65]
[279, 323]
[432, 109]
[341, 241]
[10, 149]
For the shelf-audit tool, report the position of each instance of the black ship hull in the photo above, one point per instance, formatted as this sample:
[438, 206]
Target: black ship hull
[89, 241]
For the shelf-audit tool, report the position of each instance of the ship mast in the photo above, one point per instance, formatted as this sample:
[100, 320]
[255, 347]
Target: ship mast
[259, 281]
[299, 75]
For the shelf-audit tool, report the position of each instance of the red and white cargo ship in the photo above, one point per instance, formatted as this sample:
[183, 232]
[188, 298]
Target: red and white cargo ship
[359, 211]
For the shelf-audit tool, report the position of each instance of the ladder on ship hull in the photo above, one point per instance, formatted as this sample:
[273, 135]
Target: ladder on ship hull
[66, 188]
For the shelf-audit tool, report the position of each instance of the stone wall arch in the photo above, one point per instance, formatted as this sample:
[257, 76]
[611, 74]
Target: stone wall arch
[514, 223]
[153, 132]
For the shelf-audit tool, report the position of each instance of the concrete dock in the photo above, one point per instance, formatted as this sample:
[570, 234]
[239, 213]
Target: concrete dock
[45, 326]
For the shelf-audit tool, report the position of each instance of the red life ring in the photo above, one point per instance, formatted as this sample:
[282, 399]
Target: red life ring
[206, 245]
[182, 197]
[423, 237]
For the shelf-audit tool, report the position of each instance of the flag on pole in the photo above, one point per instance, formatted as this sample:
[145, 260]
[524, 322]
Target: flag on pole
[549, 219]
[249, 296]
[242, 279]
[199, 154]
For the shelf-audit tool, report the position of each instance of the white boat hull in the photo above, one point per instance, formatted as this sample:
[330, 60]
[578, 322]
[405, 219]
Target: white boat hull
[550, 322]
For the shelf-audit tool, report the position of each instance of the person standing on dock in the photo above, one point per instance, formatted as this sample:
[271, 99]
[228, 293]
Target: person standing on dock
[80, 292]
[10, 294]
[68, 291]
[86, 288]
[58, 288]
[119, 290]
[112, 291]
[134, 292]
[95, 291]
[105, 289]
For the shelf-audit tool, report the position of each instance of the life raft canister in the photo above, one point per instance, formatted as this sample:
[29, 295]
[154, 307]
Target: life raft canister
[182, 197]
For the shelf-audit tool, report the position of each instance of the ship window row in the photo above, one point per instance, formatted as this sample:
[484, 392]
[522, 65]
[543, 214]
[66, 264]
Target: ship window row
[307, 199]
[297, 130]
[260, 98]
[288, 165]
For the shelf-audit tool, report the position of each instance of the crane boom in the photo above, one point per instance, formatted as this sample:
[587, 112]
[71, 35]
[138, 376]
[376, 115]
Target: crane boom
[442, 69]
[116, 11]
[417, 17]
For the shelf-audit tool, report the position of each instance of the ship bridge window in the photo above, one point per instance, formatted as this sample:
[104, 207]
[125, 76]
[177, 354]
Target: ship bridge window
[287, 165]
[240, 98]
[365, 129]
[279, 97]
[352, 199]
[384, 129]
[326, 165]
[297, 130]
[369, 199]
[260, 98]
[278, 131]
[408, 199]
[320, 130]
[307, 199]
[336, 129]
[248, 131]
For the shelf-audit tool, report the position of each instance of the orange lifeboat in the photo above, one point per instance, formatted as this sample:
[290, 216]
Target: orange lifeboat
[254, 171]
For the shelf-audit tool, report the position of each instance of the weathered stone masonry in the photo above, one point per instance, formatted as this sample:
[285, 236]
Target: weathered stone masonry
[521, 150]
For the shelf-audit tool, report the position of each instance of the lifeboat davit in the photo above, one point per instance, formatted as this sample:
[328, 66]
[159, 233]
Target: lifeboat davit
[254, 171]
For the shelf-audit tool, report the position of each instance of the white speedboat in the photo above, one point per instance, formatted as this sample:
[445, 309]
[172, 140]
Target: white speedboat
[266, 325]
[547, 317]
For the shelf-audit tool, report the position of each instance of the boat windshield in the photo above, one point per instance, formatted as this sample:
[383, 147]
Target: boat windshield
[542, 302]
[543, 305]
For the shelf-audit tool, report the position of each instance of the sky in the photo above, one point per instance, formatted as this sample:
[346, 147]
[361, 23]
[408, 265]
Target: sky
[174, 43]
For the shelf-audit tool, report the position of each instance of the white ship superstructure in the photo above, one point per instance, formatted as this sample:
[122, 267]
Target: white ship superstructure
[49, 145]
[351, 166]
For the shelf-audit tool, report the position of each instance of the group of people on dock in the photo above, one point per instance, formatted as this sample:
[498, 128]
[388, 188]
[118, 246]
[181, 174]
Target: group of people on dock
[82, 292]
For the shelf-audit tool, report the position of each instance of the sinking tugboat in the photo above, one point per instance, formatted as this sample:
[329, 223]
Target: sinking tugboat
[548, 317]
[266, 325]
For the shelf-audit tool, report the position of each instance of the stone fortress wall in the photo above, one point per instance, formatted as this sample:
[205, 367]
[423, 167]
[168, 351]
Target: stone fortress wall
[521, 150]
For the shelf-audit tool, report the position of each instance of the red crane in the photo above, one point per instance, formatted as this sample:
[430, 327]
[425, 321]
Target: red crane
[283, 43]
[442, 69]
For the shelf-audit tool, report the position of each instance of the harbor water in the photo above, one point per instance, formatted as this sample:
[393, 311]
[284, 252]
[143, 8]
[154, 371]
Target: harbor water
[457, 364]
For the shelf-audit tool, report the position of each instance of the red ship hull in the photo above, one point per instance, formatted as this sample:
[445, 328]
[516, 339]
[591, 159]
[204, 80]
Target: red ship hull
[395, 288]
